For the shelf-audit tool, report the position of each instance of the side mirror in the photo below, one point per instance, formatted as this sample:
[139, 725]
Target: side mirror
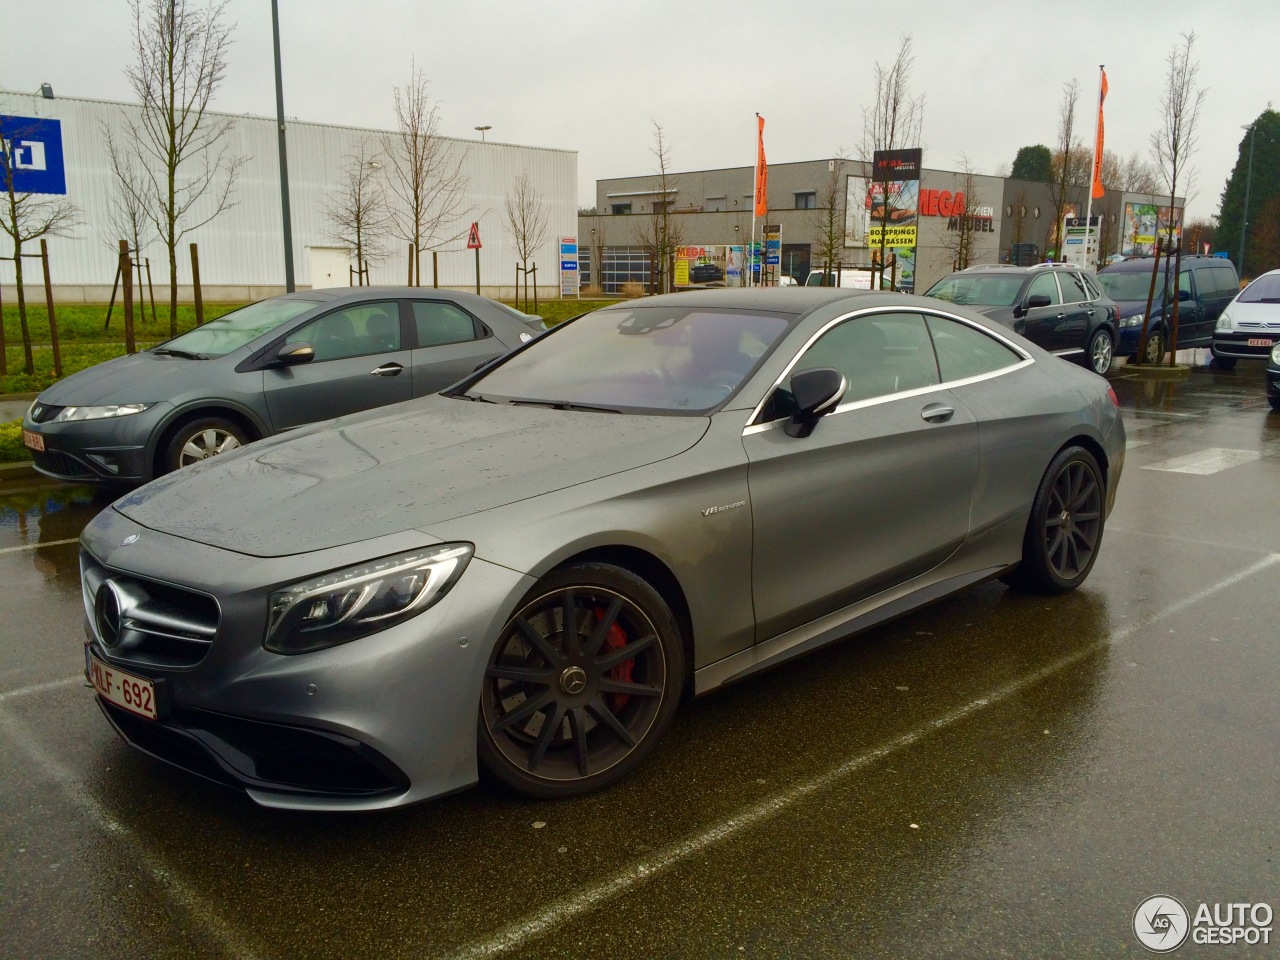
[816, 393]
[1184, 296]
[291, 354]
[1037, 300]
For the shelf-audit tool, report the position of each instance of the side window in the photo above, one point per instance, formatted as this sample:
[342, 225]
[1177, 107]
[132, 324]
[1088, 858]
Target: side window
[1186, 283]
[965, 352]
[438, 323]
[878, 355]
[1073, 288]
[1225, 280]
[353, 331]
[1045, 284]
[1091, 285]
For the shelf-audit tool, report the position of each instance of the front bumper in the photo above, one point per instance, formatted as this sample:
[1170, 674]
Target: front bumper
[1273, 382]
[1235, 344]
[382, 721]
[108, 451]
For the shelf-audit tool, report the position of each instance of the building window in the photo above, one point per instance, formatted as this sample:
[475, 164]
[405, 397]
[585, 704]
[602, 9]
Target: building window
[807, 200]
[621, 208]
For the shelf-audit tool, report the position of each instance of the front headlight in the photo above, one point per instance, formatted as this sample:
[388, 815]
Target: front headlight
[1275, 354]
[348, 604]
[99, 413]
[1224, 322]
[1132, 321]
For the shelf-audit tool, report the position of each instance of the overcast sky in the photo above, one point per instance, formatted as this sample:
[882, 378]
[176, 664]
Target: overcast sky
[592, 76]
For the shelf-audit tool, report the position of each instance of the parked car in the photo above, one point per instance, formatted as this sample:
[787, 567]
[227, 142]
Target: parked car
[271, 366]
[705, 273]
[1056, 306]
[529, 571]
[1273, 378]
[1249, 327]
[852, 278]
[1205, 286]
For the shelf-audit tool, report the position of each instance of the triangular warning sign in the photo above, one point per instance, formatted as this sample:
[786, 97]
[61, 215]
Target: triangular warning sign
[473, 238]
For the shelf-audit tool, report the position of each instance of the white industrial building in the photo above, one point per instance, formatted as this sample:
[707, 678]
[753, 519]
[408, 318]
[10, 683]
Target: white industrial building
[242, 250]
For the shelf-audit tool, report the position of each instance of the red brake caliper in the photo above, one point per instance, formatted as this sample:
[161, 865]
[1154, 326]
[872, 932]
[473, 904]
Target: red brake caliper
[616, 639]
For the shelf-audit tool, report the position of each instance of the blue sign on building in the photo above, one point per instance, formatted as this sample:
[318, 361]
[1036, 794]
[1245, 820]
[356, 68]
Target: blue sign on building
[32, 150]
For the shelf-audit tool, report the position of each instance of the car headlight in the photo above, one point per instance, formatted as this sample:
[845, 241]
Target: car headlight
[1275, 354]
[1224, 322]
[1132, 321]
[99, 413]
[348, 604]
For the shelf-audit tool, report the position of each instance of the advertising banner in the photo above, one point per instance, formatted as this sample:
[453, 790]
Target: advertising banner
[733, 266]
[34, 150]
[893, 207]
[1142, 221]
[698, 266]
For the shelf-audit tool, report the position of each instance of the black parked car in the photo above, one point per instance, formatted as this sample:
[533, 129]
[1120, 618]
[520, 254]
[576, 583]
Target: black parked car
[1054, 305]
[1205, 286]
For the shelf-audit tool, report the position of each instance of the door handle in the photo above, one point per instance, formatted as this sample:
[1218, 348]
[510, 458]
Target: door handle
[387, 370]
[937, 413]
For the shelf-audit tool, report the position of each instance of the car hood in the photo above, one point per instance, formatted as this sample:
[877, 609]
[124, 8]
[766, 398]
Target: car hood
[1136, 308]
[138, 378]
[1256, 312]
[398, 468]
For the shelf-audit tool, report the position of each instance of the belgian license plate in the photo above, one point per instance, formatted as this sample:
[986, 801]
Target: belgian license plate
[1253, 342]
[135, 694]
[33, 440]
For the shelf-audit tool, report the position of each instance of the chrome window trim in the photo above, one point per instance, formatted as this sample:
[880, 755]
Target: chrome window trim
[753, 427]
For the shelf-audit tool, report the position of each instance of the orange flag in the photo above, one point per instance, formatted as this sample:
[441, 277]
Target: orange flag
[1098, 188]
[762, 172]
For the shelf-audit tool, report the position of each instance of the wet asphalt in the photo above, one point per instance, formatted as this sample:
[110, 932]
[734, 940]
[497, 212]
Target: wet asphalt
[996, 776]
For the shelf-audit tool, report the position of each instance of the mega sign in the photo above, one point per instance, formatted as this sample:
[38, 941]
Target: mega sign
[944, 203]
[32, 153]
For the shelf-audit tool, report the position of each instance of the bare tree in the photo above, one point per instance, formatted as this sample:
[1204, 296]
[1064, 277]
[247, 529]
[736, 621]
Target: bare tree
[892, 122]
[27, 217]
[185, 172]
[1174, 141]
[1138, 176]
[959, 242]
[1065, 171]
[658, 234]
[358, 213]
[426, 174]
[525, 218]
[828, 220]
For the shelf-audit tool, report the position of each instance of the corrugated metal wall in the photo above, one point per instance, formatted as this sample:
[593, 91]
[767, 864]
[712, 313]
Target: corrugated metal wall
[244, 245]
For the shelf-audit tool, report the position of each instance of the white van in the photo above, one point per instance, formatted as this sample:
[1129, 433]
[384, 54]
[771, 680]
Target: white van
[854, 278]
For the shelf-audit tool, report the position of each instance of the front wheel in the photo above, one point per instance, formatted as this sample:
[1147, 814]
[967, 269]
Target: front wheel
[200, 439]
[582, 683]
[1065, 527]
[1155, 348]
[1099, 351]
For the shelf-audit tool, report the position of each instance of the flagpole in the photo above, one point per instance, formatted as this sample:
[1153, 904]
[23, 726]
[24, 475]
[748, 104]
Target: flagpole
[1093, 169]
[755, 187]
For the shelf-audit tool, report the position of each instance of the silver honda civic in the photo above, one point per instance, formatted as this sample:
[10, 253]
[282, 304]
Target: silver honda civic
[524, 575]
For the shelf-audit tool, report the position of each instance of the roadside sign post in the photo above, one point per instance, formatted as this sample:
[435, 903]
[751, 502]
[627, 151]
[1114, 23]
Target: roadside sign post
[568, 267]
[473, 243]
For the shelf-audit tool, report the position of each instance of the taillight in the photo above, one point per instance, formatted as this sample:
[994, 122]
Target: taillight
[1111, 393]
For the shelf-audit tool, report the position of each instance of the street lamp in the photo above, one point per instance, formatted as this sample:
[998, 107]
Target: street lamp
[1248, 178]
[482, 130]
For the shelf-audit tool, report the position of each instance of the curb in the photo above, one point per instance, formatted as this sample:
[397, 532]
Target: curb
[21, 470]
[1147, 372]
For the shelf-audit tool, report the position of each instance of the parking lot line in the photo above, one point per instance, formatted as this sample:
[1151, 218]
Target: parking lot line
[39, 688]
[514, 936]
[37, 546]
[1205, 462]
[25, 739]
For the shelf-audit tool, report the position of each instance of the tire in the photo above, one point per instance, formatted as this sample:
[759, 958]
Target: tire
[1099, 352]
[1224, 363]
[1275, 403]
[1155, 348]
[200, 439]
[563, 714]
[1065, 529]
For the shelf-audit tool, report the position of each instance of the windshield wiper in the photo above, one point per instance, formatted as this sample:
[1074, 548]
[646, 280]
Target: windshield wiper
[563, 405]
[185, 354]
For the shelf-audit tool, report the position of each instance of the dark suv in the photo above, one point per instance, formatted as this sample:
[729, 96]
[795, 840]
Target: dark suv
[1205, 286]
[1056, 306]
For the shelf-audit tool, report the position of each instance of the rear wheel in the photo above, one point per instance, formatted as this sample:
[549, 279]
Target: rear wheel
[1099, 350]
[582, 683]
[1065, 527]
[200, 439]
[1155, 348]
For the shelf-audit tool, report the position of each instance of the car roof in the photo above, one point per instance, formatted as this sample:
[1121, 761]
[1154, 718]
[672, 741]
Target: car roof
[1012, 268]
[347, 294]
[1143, 263]
[783, 300]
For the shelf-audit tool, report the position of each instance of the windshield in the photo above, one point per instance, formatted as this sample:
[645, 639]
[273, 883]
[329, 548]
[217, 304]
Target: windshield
[983, 289]
[1127, 285]
[233, 330]
[1266, 289]
[662, 359]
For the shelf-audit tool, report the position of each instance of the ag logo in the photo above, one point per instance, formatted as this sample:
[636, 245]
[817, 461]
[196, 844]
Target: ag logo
[1161, 923]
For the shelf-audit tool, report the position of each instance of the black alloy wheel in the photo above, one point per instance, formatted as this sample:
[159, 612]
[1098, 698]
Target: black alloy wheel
[1099, 351]
[582, 683]
[1065, 528]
